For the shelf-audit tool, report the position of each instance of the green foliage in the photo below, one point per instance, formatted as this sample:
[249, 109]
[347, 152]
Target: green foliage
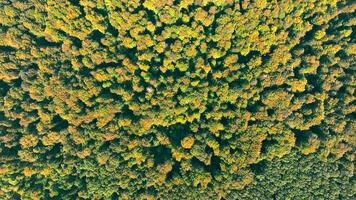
[184, 99]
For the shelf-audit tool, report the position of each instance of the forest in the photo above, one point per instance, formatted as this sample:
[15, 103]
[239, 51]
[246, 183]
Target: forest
[177, 99]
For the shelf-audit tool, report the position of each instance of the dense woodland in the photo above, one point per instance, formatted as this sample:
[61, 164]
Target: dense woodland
[177, 99]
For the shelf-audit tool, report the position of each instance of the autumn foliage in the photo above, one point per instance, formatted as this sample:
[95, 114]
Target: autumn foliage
[177, 99]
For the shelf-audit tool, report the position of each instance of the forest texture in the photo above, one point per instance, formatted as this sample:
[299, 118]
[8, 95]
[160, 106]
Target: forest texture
[177, 99]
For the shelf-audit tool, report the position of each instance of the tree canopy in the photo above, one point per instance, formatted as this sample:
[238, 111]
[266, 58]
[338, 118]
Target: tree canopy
[177, 99]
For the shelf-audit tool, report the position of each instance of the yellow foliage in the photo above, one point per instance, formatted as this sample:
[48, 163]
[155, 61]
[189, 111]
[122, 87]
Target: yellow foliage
[28, 171]
[51, 139]
[28, 141]
[84, 153]
[202, 179]
[102, 158]
[188, 142]
[298, 85]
